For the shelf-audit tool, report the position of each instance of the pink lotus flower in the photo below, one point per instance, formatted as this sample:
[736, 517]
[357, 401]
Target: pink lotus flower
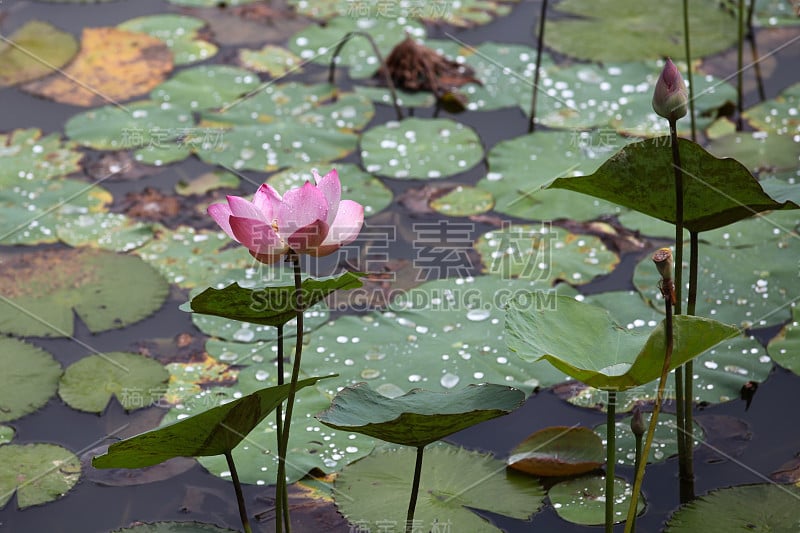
[670, 97]
[311, 219]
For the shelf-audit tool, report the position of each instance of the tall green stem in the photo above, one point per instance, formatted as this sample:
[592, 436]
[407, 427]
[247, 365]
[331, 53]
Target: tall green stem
[298, 352]
[412, 502]
[687, 433]
[636, 466]
[687, 45]
[237, 486]
[611, 457]
[739, 68]
[539, 47]
[281, 497]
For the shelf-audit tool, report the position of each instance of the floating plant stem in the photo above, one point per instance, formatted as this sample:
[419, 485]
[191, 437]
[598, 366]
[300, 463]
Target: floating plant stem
[387, 76]
[687, 44]
[412, 501]
[238, 488]
[611, 458]
[739, 68]
[539, 46]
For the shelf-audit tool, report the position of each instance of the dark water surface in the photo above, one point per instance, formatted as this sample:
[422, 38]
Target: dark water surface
[772, 439]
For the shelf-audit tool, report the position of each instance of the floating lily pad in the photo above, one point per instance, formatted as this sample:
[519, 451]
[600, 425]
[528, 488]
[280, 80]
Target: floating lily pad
[785, 347]
[274, 60]
[665, 442]
[174, 527]
[463, 201]
[380, 95]
[206, 87]
[610, 357]
[418, 417]
[620, 180]
[558, 451]
[732, 509]
[519, 167]
[37, 473]
[212, 432]
[640, 31]
[210, 3]
[453, 481]
[316, 43]
[749, 286]
[43, 290]
[113, 65]
[109, 231]
[210, 181]
[780, 115]
[582, 500]
[47, 48]
[465, 14]
[29, 380]
[27, 156]
[357, 185]
[188, 258]
[420, 148]
[31, 211]
[544, 253]
[782, 190]
[179, 33]
[134, 380]
[763, 154]
[188, 379]
[242, 340]
[6, 434]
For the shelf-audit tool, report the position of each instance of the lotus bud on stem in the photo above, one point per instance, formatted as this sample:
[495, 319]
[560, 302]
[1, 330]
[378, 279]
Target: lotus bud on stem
[664, 264]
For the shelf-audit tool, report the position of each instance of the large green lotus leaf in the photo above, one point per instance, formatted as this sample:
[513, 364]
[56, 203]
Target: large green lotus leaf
[640, 30]
[268, 147]
[174, 527]
[640, 176]
[582, 500]
[6, 434]
[782, 190]
[179, 33]
[463, 201]
[780, 115]
[785, 347]
[142, 124]
[207, 182]
[317, 106]
[311, 444]
[213, 432]
[374, 490]
[464, 14]
[26, 156]
[558, 451]
[544, 253]
[605, 355]
[109, 231]
[765, 507]
[665, 442]
[270, 306]
[418, 417]
[316, 43]
[519, 167]
[134, 380]
[206, 87]
[44, 289]
[273, 60]
[419, 148]
[720, 373]
[750, 286]
[29, 379]
[190, 258]
[31, 211]
[774, 13]
[37, 473]
[357, 185]
[38, 48]
[506, 73]
[763, 154]
[440, 335]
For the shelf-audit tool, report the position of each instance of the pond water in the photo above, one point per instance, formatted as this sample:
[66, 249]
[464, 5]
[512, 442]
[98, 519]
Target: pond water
[744, 445]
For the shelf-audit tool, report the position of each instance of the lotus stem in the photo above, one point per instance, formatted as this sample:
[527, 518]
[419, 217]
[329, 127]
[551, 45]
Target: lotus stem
[739, 68]
[687, 44]
[751, 36]
[539, 47]
[611, 457]
[387, 77]
[412, 502]
[238, 488]
[687, 431]
[281, 498]
[298, 352]
[638, 429]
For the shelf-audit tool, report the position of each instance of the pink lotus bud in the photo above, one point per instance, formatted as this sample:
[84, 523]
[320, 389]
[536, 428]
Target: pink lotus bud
[670, 98]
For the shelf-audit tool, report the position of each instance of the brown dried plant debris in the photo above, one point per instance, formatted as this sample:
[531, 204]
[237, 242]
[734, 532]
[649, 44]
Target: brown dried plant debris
[415, 67]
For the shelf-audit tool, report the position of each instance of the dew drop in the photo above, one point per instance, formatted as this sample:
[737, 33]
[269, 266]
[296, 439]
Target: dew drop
[414, 378]
[262, 375]
[244, 335]
[449, 380]
[478, 315]
[370, 373]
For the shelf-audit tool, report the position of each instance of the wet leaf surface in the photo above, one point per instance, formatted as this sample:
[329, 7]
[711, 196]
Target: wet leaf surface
[38, 48]
[784, 348]
[36, 473]
[558, 451]
[180, 33]
[29, 380]
[273, 60]
[582, 500]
